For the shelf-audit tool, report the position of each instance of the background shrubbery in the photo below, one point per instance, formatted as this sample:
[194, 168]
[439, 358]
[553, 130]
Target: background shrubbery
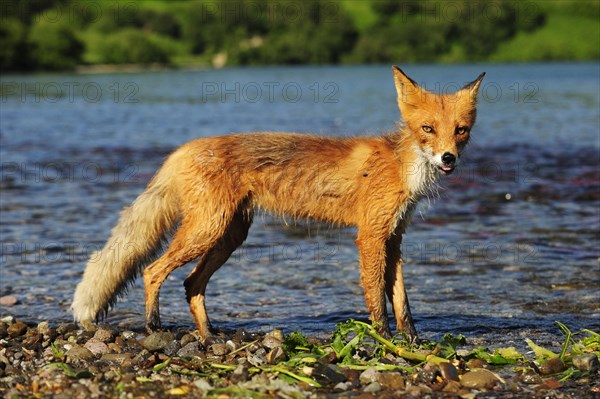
[61, 34]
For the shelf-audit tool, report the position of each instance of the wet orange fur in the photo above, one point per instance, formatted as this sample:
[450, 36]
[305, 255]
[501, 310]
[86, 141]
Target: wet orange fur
[209, 188]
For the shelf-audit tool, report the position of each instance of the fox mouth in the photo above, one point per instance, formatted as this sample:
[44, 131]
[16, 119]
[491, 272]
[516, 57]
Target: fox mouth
[446, 169]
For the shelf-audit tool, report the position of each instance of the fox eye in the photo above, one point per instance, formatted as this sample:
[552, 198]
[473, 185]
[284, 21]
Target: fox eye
[427, 129]
[462, 130]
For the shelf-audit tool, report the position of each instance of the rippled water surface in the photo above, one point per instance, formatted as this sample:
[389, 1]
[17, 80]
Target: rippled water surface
[510, 245]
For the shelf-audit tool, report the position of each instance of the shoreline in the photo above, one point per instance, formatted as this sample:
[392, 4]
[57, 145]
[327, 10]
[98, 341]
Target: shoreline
[65, 361]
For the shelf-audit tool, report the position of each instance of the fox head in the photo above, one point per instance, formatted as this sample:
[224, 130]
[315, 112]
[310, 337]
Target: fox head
[440, 124]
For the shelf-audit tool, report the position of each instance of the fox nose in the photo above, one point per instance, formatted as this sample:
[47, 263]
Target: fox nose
[448, 158]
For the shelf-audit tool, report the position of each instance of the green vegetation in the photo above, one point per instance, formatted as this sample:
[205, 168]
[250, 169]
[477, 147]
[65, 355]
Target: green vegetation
[61, 34]
[356, 345]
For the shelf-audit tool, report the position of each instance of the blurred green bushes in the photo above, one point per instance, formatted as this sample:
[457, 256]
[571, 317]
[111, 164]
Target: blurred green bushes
[130, 46]
[61, 34]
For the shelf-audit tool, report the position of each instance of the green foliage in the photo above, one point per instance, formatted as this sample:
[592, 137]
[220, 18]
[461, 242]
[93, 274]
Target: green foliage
[366, 335]
[430, 31]
[361, 13]
[56, 351]
[587, 344]
[294, 342]
[551, 43]
[344, 349]
[115, 16]
[54, 45]
[59, 34]
[26, 11]
[70, 372]
[482, 32]
[13, 45]
[498, 357]
[130, 46]
[449, 343]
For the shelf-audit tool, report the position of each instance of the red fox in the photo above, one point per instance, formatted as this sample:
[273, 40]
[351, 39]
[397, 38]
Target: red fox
[206, 192]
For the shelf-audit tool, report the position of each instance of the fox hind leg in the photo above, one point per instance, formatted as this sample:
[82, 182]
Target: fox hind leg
[196, 282]
[194, 238]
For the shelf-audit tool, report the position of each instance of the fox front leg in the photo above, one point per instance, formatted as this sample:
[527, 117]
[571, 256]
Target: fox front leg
[372, 270]
[396, 291]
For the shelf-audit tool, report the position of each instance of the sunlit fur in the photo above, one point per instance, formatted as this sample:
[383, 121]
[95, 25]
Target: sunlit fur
[206, 193]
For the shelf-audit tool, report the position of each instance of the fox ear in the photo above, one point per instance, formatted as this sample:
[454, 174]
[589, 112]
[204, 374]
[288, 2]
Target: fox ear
[473, 87]
[404, 84]
[409, 91]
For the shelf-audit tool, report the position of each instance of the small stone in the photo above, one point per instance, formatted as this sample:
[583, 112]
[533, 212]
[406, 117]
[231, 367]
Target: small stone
[276, 333]
[3, 330]
[476, 364]
[429, 373]
[551, 384]
[448, 371]
[414, 391]
[271, 342]
[352, 375]
[231, 346]
[44, 328]
[17, 329]
[342, 386]
[219, 349]
[368, 376]
[203, 385]
[81, 353]
[66, 328]
[329, 358]
[530, 377]
[479, 379]
[242, 335]
[113, 347]
[327, 374]
[243, 361]
[96, 347]
[157, 341]
[8, 301]
[276, 355]
[391, 380]
[186, 339]
[189, 350]
[552, 366]
[240, 374]
[586, 362]
[372, 387]
[258, 358]
[253, 348]
[452, 387]
[116, 357]
[104, 335]
[171, 348]
[33, 340]
[134, 344]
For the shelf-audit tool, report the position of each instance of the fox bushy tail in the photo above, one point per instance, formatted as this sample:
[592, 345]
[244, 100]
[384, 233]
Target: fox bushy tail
[135, 241]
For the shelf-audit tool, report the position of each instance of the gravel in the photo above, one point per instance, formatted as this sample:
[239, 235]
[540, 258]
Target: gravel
[65, 361]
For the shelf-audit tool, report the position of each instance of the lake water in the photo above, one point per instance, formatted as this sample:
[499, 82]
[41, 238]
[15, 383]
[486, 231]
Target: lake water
[511, 245]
